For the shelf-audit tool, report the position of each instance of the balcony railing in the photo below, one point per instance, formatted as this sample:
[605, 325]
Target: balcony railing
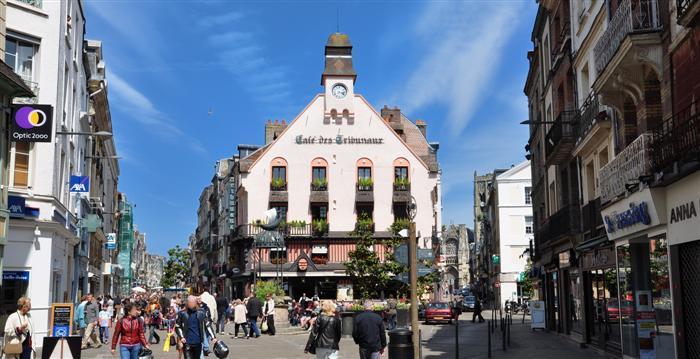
[304, 230]
[683, 8]
[632, 16]
[677, 139]
[628, 166]
[278, 186]
[560, 137]
[591, 220]
[365, 187]
[564, 222]
[590, 114]
[35, 3]
[318, 187]
[249, 230]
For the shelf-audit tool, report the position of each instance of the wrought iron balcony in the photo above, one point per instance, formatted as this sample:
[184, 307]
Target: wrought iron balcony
[632, 16]
[565, 222]
[628, 166]
[590, 115]
[677, 140]
[303, 230]
[687, 11]
[35, 3]
[249, 230]
[560, 138]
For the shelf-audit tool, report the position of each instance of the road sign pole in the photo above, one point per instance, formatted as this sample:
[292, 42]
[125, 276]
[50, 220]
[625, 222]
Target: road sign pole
[413, 273]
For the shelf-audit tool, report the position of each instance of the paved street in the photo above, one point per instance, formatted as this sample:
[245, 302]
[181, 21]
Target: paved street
[438, 342]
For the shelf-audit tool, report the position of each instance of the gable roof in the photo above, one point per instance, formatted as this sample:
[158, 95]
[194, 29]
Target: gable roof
[513, 171]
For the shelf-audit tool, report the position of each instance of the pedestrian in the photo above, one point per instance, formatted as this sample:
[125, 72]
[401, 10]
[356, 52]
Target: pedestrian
[210, 301]
[92, 310]
[221, 305]
[391, 312]
[240, 318]
[368, 332]
[269, 314]
[19, 330]
[192, 326]
[325, 334]
[153, 318]
[477, 310]
[105, 319]
[253, 307]
[303, 300]
[80, 316]
[129, 333]
[117, 309]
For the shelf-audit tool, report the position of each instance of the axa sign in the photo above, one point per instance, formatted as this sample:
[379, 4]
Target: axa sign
[79, 184]
[31, 123]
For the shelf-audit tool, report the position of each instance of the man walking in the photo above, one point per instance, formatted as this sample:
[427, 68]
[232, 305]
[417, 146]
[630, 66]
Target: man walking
[221, 305]
[269, 314]
[253, 307]
[477, 310]
[192, 328]
[92, 311]
[368, 332]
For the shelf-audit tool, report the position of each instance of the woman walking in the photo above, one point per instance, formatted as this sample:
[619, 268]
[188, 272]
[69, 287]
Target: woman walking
[129, 334]
[19, 329]
[240, 318]
[325, 333]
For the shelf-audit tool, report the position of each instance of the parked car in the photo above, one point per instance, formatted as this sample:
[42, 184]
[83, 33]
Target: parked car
[468, 303]
[614, 309]
[439, 312]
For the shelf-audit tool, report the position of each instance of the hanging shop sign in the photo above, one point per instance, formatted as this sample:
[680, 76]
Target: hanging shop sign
[18, 208]
[79, 184]
[31, 123]
[683, 200]
[337, 140]
[598, 259]
[638, 212]
[111, 241]
[564, 259]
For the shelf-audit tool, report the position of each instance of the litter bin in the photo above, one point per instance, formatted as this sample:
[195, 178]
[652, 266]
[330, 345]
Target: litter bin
[400, 344]
[347, 321]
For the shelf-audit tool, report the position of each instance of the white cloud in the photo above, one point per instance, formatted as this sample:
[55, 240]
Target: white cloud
[146, 113]
[463, 44]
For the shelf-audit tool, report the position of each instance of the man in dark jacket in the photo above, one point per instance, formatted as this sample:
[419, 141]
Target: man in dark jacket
[477, 310]
[368, 333]
[254, 312]
[221, 305]
[192, 327]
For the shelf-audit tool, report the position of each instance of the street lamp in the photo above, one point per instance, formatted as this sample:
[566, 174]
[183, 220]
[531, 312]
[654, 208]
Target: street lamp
[82, 133]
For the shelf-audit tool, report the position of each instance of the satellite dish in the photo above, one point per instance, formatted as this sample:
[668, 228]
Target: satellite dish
[273, 220]
[412, 208]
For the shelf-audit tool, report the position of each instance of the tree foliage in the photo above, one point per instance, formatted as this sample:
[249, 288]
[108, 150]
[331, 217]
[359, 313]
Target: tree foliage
[177, 268]
[368, 274]
[265, 287]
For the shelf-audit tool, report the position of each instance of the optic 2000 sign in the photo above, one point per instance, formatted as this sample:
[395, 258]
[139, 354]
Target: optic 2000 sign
[31, 123]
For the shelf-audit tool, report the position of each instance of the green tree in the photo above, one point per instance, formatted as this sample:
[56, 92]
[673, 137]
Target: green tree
[263, 288]
[177, 268]
[368, 274]
[527, 285]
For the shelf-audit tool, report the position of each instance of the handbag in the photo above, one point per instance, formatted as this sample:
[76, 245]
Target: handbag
[13, 345]
[312, 346]
[263, 326]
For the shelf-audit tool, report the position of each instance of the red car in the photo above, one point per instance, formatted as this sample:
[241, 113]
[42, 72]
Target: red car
[439, 312]
[614, 309]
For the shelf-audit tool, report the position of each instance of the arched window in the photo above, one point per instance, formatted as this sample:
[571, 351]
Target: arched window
[364, 174]
[278, 180]
[401, 174]
[319, 174]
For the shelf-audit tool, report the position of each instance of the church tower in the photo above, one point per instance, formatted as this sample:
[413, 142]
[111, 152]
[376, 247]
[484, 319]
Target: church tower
[338, 80]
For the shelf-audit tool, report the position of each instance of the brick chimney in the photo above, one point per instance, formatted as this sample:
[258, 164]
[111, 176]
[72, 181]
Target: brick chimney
[423, 127]
[274, 129]
[391, 115]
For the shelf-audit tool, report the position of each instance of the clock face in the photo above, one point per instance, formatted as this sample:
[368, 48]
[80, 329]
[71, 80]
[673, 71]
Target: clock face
[339, 91]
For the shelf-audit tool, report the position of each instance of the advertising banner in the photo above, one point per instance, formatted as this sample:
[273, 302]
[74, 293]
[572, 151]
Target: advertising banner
[31, 123]
[61, 319]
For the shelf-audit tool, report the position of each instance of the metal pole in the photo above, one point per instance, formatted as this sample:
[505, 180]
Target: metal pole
[488, 327]
[413, 274]
[503, 336]
[457, 338]
[510, 321]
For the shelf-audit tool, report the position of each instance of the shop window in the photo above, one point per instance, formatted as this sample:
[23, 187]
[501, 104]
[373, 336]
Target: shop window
[21, 165]
[278, 255]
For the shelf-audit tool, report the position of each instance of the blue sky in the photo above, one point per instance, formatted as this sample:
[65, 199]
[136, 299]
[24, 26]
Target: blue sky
[460, 66]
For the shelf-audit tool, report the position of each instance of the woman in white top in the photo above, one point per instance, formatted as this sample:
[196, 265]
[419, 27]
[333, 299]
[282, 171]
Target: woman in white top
[240, 318]
[19, 327]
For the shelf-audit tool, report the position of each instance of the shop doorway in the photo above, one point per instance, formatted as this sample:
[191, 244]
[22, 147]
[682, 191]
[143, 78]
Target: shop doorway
[604, 316]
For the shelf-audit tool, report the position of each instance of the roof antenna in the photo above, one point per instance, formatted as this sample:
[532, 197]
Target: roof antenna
[337, 19]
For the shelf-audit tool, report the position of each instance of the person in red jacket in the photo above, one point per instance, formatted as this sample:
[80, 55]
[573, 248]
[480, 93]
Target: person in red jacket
[129, 333]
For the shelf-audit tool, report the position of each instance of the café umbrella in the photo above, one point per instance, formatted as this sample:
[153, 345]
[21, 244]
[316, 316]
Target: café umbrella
[138, 290]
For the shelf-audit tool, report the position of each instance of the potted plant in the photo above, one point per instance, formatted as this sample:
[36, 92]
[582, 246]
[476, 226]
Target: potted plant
[402, 184]
[320, 260]
[365, 184]
[278, 184]
[319, 184]
[320, 226]
[364, 223]
[402, 314]
[348, 317]
[399, 224]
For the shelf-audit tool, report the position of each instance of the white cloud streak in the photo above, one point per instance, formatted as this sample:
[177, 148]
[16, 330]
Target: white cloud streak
[464, 47]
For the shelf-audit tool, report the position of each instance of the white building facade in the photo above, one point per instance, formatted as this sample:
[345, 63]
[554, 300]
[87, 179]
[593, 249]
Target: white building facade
[514, 231]
[45, 47]
[338, 161]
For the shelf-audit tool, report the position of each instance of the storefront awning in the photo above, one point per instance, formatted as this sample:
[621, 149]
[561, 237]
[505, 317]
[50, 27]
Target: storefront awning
[591, 243]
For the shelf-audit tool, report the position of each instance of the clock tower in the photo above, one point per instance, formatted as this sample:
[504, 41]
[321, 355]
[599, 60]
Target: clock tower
[338, 80]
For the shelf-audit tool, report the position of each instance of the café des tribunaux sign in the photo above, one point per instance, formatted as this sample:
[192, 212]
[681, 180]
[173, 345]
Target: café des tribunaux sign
[636, 213]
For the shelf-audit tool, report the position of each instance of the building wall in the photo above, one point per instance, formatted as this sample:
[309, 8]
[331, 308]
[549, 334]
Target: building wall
[342, 170]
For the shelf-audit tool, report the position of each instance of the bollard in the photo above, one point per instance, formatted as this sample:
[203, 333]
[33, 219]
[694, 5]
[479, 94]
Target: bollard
[503, 336]
[489, 331]
[508, 332]
[400, 344]
[523, 317]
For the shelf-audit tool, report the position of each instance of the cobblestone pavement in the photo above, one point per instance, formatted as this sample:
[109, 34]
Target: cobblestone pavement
[438, 341]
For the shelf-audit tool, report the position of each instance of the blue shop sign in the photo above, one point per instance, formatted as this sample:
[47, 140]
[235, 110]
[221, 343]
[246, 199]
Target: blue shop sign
[80, 184]
[18, 208]
[637, 213]
[16, 275]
